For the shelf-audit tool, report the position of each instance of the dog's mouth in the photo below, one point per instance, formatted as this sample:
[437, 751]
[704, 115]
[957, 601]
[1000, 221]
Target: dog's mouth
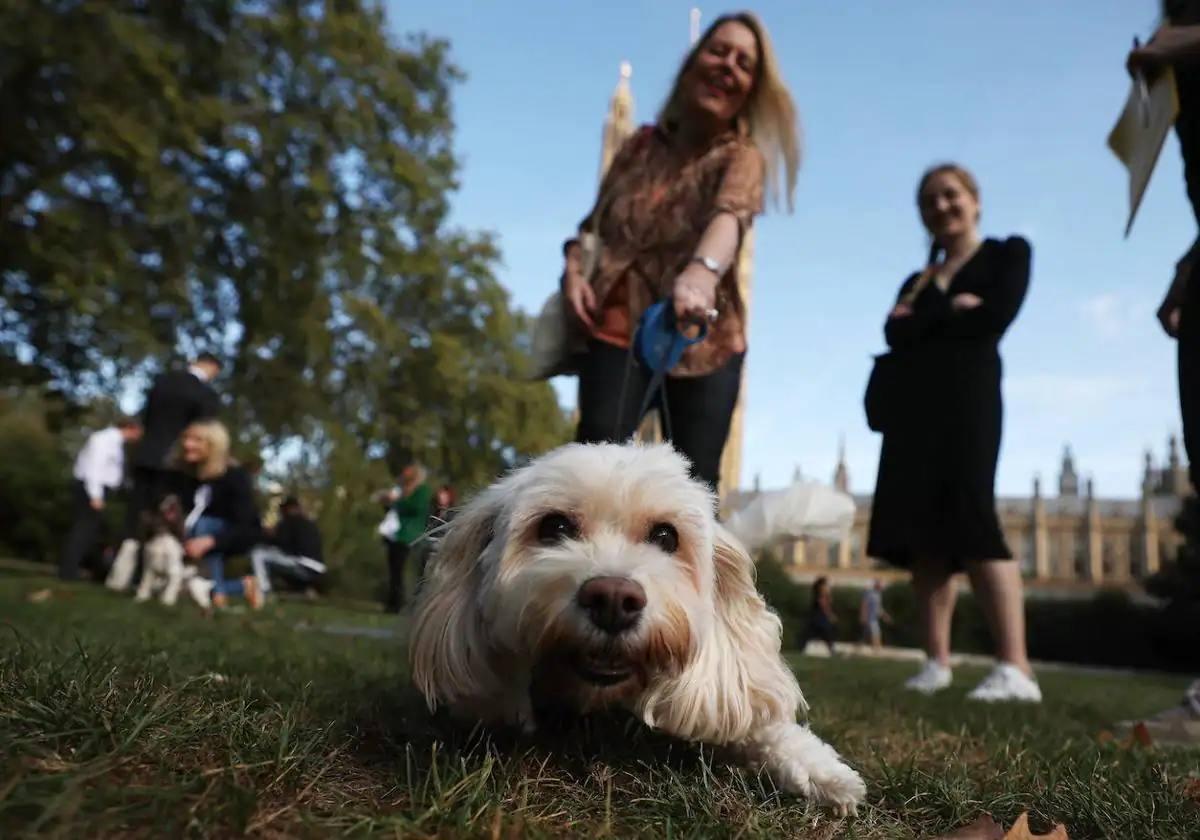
[603, 669]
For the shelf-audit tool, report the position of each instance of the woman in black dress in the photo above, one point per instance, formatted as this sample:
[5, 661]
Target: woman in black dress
[934, 510]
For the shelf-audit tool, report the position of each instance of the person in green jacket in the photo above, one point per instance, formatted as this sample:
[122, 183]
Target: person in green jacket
[410, 501]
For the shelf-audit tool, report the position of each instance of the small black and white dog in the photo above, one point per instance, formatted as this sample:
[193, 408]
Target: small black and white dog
[162, 538]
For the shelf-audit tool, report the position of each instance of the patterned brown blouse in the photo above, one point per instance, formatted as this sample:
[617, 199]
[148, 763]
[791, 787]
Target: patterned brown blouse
[654, 205]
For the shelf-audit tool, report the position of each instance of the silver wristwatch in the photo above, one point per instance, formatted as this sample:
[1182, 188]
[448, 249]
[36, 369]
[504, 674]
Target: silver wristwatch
[709, 263]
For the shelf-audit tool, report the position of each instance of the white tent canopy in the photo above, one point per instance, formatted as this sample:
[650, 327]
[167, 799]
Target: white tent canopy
[805, 509]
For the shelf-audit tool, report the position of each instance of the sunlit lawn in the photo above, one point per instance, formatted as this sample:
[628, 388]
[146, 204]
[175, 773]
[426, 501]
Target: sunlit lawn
[119, 719]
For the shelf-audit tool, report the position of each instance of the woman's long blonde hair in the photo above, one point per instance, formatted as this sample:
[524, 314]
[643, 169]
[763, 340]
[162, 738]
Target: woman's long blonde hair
[214, 433]
[769, 115]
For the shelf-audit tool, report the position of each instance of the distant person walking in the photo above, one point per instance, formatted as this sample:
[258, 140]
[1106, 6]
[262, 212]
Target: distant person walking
[822, 620]
[934, 509]
[672, 212]
[99, 469]
[176, 398]
[410, 503]
[871, 615]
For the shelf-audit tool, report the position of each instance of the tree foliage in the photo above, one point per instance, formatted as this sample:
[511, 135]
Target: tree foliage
[269, 180]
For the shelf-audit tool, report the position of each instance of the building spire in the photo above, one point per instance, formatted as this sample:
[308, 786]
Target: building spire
[693, 26]
[1068, 479]
[618, 125]
[841, 474]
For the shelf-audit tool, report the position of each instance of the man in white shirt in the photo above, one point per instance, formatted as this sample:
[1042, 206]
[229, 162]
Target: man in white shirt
[99, 469]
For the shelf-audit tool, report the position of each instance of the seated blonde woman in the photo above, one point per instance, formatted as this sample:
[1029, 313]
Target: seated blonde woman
[221, 517]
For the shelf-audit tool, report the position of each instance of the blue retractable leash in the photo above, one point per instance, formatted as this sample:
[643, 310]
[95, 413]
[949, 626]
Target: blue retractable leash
[659, 345]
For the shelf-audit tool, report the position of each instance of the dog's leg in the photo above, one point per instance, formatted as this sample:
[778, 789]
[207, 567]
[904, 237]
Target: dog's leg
[123, 566]
[201, 591]
[146, 587]
[170, 593]
[799, 762]
[739, 691]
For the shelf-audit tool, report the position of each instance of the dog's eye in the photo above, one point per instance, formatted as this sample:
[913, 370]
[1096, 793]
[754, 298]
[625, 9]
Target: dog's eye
[664, 536]
[556, 527]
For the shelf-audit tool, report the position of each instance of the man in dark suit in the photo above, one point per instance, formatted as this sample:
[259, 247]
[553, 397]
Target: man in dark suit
[176, 399]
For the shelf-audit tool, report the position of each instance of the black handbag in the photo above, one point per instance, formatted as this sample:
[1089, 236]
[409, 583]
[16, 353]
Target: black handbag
[885, 390]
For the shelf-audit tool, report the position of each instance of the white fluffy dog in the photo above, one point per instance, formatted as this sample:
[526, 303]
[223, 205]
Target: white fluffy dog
[597, 576]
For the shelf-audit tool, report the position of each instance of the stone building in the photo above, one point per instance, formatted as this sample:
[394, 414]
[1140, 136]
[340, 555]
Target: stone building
[1070, 536]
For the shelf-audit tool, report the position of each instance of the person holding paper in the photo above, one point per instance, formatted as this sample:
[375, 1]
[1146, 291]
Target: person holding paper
[1177, 45]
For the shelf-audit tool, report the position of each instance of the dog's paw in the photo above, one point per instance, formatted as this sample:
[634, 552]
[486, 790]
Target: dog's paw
[833, 784]
[803, 764]
[838, 786]
[140, 598]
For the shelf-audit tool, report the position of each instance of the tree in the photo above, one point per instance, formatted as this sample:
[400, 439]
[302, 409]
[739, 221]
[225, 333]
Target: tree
[269, 180]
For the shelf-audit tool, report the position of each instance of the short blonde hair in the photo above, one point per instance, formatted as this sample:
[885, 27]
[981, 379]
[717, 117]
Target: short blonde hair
[769, 115]
[214, 433]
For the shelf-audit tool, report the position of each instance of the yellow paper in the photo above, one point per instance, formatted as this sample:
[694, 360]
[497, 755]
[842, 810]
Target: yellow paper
[1138, 137]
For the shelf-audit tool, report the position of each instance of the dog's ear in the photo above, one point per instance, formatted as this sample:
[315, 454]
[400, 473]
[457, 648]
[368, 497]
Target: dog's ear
[738, 681]
[447, 651]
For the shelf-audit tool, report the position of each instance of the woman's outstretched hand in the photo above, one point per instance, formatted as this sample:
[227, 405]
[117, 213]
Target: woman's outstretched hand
[580, 296]
[694, 295]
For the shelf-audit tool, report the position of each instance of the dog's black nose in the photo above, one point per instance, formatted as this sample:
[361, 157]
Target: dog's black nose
[614, 603]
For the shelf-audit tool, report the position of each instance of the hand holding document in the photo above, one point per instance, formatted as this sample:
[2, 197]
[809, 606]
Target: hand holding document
[1138, 137]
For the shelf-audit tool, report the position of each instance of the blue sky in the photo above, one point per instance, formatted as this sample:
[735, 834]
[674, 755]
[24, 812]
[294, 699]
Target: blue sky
[1023, 92]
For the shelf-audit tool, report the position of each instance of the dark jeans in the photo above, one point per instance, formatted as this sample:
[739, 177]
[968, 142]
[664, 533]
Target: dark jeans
[819, 627]
[86, 523]
[700, 407]
[149, 486]
[397, 557]
[1189, 382]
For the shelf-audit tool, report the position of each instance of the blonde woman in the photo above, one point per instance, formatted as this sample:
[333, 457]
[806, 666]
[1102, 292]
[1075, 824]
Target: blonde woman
[222, 518]
[934, 509]
[671, 215]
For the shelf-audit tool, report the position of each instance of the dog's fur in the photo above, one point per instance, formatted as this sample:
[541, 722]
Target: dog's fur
[164, 570]
[499, 632]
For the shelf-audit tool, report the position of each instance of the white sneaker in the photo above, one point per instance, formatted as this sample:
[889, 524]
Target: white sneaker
[1007, 682]
[932, 678]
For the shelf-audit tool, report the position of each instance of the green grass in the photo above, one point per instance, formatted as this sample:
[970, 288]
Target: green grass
[118, 719]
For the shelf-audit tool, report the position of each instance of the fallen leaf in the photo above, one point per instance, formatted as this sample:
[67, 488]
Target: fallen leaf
[1191, 789]
[984, 828]
[39, 596]
[1020, 831]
